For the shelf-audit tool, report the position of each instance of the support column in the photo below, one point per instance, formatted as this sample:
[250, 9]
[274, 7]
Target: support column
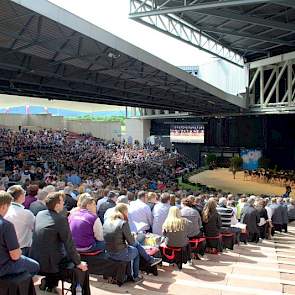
[290, 90]
[278, 86]
[261, 95]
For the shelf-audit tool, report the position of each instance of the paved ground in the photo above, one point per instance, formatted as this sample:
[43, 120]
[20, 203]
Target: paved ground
[264, 269]
[222, 178]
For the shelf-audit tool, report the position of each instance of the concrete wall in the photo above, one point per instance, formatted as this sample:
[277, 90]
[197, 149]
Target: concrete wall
[104, 130]
[138, 129]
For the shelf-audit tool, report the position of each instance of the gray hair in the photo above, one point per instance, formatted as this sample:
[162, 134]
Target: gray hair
[67, 190]
[42, 194]
[122, 199]
[49, 189]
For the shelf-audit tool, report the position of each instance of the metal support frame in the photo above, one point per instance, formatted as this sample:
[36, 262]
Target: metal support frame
[177, 28]
[182, 13]
[275, 89]
[172, 6]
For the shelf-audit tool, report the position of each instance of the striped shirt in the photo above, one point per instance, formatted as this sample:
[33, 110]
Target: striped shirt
[226, 214]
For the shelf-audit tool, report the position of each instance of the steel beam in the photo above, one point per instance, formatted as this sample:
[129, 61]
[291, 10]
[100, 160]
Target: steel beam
[250, 19]
[272, 60]
[213, 29]
[182, 31]
[288, 3]
[196, 7]
[276, 83]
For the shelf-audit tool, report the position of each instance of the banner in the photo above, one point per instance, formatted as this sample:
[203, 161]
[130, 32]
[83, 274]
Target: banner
[250, 158]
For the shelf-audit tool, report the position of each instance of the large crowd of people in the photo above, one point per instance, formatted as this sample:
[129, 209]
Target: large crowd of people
[63, 195]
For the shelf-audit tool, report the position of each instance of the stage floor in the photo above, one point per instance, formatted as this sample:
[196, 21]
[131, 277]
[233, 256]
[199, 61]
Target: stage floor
[222, 178]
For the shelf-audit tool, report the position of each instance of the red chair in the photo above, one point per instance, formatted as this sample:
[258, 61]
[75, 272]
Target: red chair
[145, 266]
[177, 255]
[214, 244]
[198, 245]
[94, 253]
[228, 240]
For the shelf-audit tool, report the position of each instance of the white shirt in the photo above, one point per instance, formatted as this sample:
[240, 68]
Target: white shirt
[160, 213]
[269, 212]
[97, 230]
[23, 221]
[139, 216]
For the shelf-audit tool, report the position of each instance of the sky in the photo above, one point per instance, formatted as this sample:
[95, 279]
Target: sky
[112, 16]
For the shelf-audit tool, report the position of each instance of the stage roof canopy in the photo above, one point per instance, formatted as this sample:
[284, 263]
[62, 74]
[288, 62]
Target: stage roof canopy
[45, 51]
[235, 30]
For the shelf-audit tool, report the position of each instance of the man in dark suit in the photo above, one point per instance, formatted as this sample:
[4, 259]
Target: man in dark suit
[251, 218]
[54, 249]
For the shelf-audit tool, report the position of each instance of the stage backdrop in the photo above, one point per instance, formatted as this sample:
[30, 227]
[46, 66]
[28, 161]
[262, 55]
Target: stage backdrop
[250, 158]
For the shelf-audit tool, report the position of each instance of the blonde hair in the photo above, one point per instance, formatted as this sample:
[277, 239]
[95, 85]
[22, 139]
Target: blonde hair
[174, 222]
[209, 210]
[119, 211]
[151, 196]
[81, 197]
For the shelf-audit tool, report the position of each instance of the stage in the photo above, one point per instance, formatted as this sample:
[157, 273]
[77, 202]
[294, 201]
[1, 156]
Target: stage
[222, 179]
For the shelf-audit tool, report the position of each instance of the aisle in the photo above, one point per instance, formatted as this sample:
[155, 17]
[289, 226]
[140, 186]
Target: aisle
[267, 268]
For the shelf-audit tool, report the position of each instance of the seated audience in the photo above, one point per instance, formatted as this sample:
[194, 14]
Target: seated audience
[140, 214]
[86, 227]
[39, 204]
[22, 219]
[226, 213]
[199, 204]
[176, 229]
[284, 213]
[251, 218]
[70, 203]
[11, 259]
[31, 197]
[191, 214]
[152, 200]
[120, 243]
[160, 213]
[121, 199]
[277, 217]
[240, 206]
[103, 199]
[109, 203]
[291, 211]
[212, 226]
[262, 226]
[53, 246]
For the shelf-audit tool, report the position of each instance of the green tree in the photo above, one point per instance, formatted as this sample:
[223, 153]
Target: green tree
[235, 165]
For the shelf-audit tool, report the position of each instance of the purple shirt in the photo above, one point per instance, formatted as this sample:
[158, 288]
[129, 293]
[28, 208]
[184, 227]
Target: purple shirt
[28, 201]
[81, 225]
